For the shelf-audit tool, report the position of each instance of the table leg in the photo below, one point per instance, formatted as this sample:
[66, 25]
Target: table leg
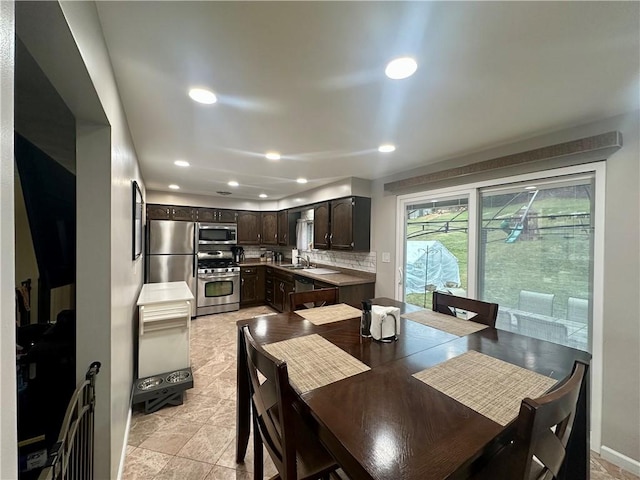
[243, 411]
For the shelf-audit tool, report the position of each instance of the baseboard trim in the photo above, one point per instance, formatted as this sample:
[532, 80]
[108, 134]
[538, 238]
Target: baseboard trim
[622, 461]
[123, 454]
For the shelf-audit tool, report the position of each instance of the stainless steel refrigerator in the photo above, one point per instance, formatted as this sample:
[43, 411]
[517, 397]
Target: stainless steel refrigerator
[172, 253]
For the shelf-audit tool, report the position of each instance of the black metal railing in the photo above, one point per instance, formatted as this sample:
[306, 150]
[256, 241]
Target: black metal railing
[71, 457]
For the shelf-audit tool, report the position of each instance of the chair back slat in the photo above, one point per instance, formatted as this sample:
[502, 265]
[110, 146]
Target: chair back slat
[486, 313]
[319, 298]
[550, 451]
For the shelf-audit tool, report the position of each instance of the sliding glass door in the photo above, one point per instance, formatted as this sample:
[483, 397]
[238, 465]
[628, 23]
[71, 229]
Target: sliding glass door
[436, 248]
[527, 246]
[535, 257]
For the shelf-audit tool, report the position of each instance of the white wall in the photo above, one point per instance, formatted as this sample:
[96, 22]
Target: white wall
[8, 445]
[621, 396]
[621, 388]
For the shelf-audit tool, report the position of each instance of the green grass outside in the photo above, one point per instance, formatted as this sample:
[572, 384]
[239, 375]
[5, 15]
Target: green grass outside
[557, 261]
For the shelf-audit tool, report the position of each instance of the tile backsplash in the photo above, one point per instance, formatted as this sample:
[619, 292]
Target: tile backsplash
[363, 261]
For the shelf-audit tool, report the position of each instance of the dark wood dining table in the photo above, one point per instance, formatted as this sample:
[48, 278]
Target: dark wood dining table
[384, 423]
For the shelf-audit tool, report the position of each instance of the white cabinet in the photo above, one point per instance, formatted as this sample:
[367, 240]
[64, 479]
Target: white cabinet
[164, 316]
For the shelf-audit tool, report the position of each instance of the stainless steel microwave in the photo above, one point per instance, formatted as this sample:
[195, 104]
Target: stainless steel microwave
[217, 233]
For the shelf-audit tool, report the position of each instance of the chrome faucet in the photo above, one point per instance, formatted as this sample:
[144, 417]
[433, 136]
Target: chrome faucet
[306, 260]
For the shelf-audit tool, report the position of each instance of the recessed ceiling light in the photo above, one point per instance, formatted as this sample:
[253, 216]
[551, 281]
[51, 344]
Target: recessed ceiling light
[386, 148]
[233, 183]
[263, 195]
[400, 68]
[201, 95]
[530, 187]
[301, 180]
[273, 155]
[297, 199]
[173, 186]
[181, 163]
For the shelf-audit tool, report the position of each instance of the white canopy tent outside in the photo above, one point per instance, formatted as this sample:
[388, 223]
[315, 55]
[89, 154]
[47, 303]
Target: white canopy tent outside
[430, 264]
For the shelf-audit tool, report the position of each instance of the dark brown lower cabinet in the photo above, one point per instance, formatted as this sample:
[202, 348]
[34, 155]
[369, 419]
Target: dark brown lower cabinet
[278, 285]
[284, 285]
[252, 286]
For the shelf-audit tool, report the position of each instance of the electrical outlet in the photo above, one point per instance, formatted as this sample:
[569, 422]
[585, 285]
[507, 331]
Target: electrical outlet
[386, 257]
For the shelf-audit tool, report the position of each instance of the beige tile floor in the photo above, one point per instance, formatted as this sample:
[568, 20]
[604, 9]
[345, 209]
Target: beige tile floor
[194, 441]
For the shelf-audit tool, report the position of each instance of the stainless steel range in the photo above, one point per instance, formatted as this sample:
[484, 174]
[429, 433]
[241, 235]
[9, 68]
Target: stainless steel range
[218, 282]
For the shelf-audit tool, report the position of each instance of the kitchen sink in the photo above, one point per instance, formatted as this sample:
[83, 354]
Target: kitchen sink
[323, 271]
[311, 269]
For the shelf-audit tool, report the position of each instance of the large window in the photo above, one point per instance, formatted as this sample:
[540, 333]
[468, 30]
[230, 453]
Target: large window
[535, 257]
[526, 244]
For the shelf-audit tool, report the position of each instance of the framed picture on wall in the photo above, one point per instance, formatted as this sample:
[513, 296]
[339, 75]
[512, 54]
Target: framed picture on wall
[137, 220]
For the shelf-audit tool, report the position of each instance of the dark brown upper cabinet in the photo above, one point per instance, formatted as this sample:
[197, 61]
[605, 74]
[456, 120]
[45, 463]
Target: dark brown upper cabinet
[343, 224]
[321, 226]
[287, 221]
[269, 228]
[170, 212]
[249, 228]
[216, 215]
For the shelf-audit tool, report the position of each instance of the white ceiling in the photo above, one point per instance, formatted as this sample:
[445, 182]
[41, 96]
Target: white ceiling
[307, 79]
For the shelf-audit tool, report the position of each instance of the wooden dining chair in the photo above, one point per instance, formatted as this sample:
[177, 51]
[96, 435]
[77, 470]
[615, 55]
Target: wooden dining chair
[542, 431]
[295, 450]
[313, 298]
[486, 313]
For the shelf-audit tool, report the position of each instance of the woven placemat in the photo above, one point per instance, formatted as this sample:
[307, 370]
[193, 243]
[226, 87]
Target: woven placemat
[314, 362]
[330, 313]
[489, 386]
[446, 323]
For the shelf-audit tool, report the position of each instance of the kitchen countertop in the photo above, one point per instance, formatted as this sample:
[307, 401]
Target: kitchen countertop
[344, 278]
[164, 293]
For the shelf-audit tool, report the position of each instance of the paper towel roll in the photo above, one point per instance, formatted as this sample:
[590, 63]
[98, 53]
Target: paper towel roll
[294, 256]
[385, 322]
